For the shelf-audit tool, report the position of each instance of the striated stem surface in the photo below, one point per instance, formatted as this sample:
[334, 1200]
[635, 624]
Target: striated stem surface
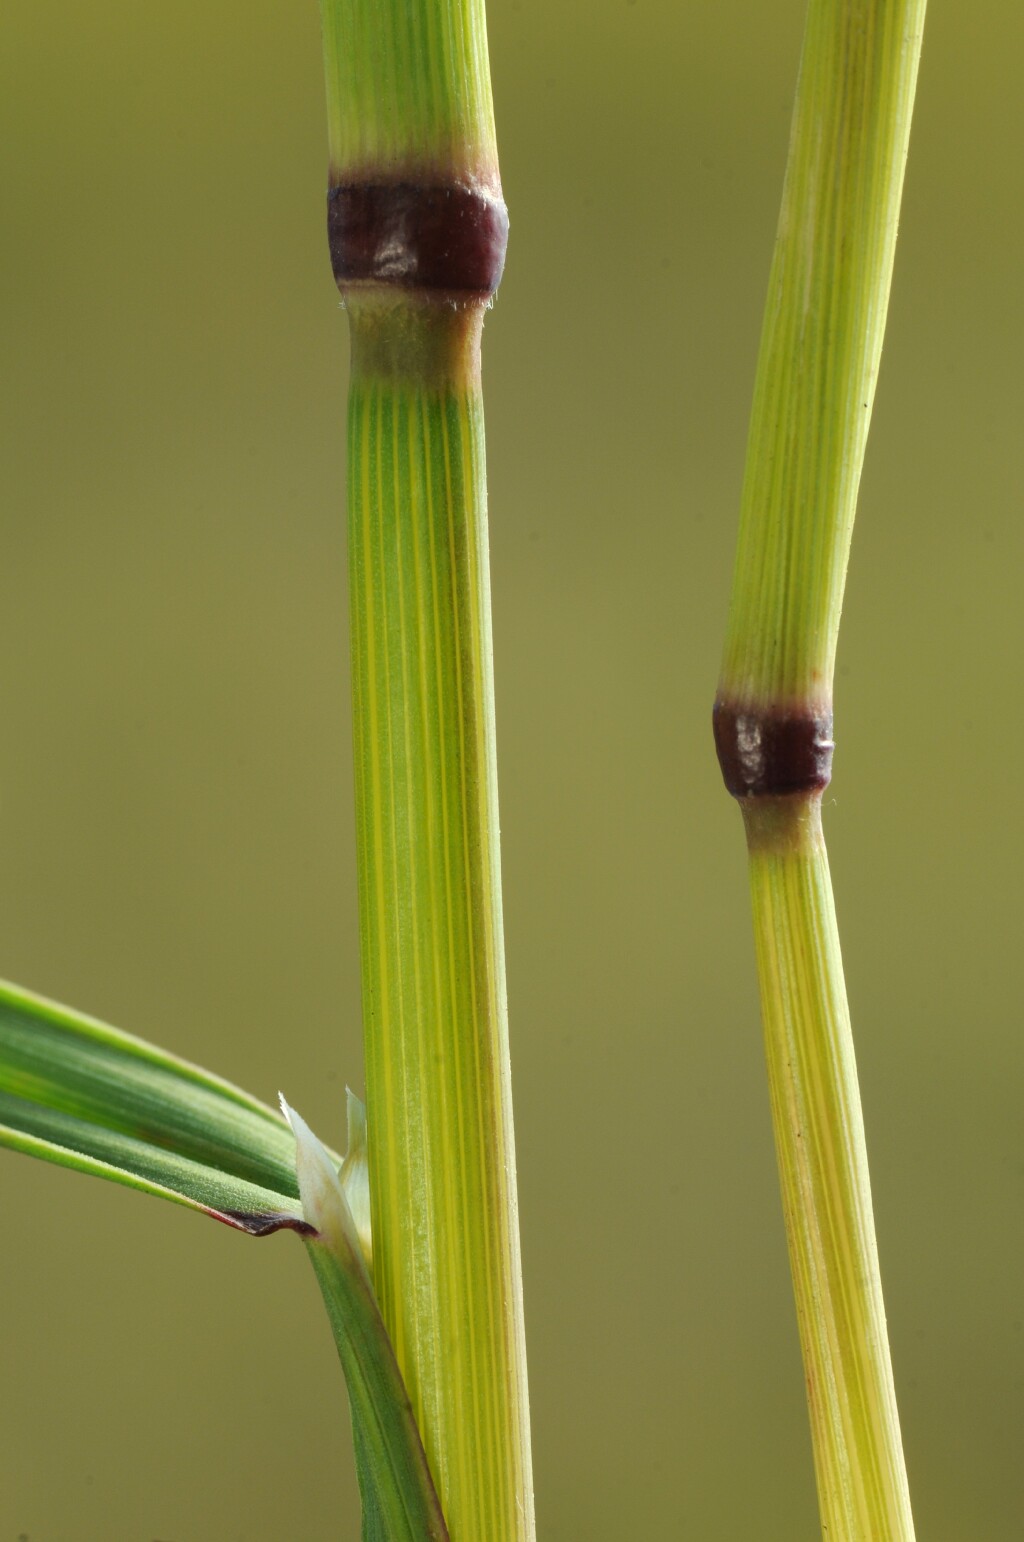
[828, 293]
[826, 1191]
[417, 231]
[445, 1235]
[817, 370]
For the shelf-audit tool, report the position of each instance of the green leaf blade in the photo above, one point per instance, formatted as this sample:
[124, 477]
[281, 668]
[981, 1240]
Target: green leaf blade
[78, 1093]
[85, 1147]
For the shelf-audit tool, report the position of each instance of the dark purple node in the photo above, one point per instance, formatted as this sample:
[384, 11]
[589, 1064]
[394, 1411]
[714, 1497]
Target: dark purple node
[448, 238]
[765, 752]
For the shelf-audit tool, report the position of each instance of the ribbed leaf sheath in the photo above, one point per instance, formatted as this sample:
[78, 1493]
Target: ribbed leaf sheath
[446, 1262]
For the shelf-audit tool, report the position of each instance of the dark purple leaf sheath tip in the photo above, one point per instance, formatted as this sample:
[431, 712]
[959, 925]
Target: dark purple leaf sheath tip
[447, 238]
[263, 1222]
[767, 752]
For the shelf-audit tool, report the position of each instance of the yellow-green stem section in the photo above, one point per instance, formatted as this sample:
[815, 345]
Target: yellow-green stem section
[826, 1193]
[824, 319]
[820, 350]
[442, 1163]
[408, 86]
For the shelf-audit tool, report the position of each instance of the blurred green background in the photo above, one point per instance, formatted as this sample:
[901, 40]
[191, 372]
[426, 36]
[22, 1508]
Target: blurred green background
[176, 830]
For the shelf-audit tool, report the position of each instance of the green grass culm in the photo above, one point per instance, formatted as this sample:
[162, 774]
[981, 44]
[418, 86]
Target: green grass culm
[820, 350]
[413, 1235]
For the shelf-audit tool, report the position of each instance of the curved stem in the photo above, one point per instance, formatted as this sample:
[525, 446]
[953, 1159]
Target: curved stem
[820, 350]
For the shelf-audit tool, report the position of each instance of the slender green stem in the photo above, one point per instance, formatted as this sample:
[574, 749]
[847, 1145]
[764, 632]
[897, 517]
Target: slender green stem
[819, 1135]
[820, 348]
[818, 365]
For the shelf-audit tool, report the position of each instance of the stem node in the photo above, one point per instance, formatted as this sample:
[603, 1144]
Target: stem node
[446, 237]
[771, 751]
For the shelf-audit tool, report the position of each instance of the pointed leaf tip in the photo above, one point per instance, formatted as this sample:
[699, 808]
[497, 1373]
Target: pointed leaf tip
[260, 1224]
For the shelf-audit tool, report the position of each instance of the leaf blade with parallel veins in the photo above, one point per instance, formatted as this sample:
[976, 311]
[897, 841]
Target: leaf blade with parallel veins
[83, 1095]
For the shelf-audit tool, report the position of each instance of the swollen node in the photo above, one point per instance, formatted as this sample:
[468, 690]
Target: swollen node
[448, 238]
[769, 752]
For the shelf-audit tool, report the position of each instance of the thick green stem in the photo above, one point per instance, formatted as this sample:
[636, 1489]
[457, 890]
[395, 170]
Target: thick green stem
[446, 1252]
[417, 232]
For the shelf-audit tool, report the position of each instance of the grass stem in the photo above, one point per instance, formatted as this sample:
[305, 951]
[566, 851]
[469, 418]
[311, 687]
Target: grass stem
[446, 1262]
[417, 230]
[826, 1192]
[816, 376]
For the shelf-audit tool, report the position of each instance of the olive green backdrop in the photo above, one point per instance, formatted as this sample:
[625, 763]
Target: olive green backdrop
[175, 795]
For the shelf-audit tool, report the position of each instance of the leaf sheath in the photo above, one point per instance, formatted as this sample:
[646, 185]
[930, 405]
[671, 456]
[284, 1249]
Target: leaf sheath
[446, 1261]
